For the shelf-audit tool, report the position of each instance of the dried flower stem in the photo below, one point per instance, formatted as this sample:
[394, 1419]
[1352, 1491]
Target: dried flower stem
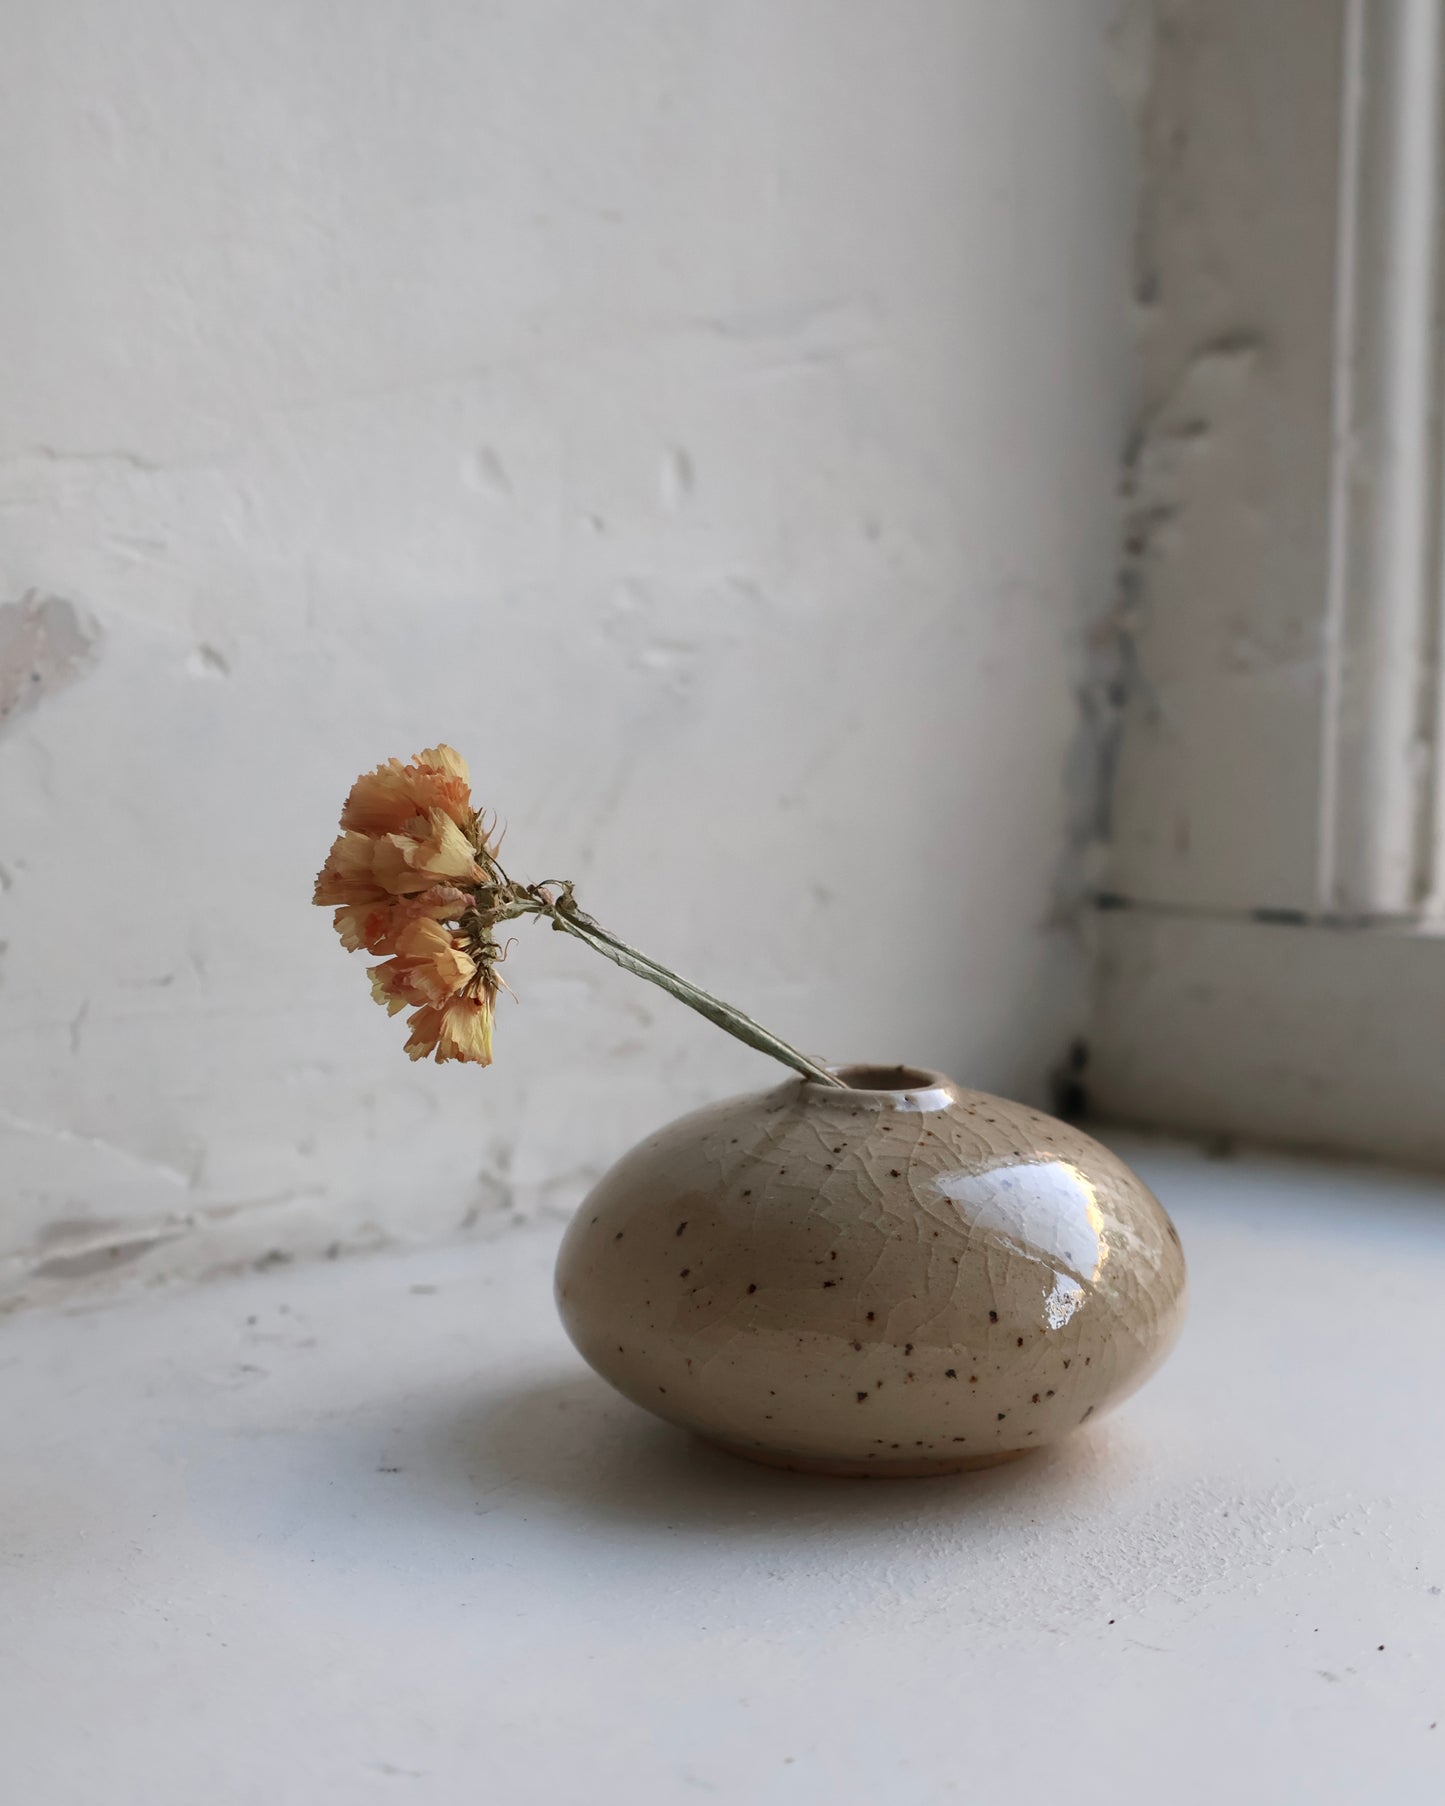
[568, 919]
[415, 875]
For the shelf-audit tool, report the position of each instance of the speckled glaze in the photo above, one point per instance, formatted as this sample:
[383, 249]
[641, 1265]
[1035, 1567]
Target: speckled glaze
[903, 1277]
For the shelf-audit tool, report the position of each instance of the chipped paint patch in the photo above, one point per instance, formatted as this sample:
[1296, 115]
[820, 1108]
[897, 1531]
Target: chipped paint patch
[45, 644]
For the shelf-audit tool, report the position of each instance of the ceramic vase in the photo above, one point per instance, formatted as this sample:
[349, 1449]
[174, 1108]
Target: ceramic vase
[897, 1277]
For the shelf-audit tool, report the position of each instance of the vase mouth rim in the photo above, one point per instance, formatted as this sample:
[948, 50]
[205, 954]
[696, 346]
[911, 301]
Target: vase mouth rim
[898, 1087]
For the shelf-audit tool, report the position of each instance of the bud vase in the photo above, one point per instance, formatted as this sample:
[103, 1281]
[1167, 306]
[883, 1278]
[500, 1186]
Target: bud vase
[898, 1277]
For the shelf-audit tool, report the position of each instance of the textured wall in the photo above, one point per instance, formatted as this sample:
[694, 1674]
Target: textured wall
[706, 418]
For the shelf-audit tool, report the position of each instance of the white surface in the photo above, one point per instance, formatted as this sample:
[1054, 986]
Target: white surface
[705, 417]
[367, 1531]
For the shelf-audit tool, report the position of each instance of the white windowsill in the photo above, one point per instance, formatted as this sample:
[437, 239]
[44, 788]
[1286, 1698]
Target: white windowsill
[369, 1531]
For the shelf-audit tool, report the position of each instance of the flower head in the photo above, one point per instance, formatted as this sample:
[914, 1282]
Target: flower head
[413, 876]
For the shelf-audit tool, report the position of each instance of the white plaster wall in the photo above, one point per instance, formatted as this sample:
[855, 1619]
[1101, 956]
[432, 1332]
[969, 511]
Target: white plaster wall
[705, 417]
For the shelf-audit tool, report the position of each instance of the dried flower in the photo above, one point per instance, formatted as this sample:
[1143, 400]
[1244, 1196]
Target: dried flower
[414, 875]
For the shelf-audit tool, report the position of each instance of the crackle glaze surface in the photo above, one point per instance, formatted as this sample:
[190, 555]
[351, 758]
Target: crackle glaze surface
[905, 1277]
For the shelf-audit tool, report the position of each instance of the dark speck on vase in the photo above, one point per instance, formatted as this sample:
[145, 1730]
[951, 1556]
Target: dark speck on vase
[908, 1348]
[618, 1236]
[862, 1398]
[893, 1173]
[1021, 1342]
[993, 1316]
[872, 1315]
[684, 1273]
[950, 1373]
[681, 1226]
[1002, 1415]
[751, 1290]
[828, 1284]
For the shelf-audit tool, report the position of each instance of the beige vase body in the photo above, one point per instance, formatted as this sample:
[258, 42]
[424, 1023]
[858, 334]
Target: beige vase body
[903, 1277]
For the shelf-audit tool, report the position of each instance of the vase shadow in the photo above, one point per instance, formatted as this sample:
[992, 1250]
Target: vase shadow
[569, 1443]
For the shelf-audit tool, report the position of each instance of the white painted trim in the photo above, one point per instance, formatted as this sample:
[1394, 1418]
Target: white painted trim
[1227, 565]
[1279, 968]
[1342, 424]
[1378, 721]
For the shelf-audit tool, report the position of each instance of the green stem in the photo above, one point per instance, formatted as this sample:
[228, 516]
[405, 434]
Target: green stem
[723, 1015]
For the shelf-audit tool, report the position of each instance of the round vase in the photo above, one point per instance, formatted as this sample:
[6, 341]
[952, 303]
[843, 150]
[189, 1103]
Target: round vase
[900, 1277]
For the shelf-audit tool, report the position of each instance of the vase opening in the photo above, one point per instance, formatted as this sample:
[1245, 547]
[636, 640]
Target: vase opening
[886, 1078]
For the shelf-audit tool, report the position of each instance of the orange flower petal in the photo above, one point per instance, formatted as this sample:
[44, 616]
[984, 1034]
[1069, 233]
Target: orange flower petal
[384, 801]
[437, 853]
[376, 926]
[462, 1030]
[429, 968]
[348, 875]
